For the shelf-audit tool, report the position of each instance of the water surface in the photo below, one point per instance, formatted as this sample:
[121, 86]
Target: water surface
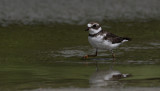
[49, 57]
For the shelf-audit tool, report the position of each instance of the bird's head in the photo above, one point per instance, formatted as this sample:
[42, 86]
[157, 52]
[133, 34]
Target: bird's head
[93, 28]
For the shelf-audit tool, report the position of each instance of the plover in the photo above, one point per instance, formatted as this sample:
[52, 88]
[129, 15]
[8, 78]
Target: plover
[100, 39]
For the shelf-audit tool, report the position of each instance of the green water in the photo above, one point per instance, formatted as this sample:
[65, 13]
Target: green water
[50, 56]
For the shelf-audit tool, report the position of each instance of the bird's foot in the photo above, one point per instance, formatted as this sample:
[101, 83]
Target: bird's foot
[85, 57]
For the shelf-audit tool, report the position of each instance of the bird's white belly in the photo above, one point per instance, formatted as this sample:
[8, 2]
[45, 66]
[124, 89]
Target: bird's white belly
[98, 42]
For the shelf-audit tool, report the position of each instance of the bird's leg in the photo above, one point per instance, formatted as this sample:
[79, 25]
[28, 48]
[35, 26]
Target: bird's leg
[86, 56]
[113, 55]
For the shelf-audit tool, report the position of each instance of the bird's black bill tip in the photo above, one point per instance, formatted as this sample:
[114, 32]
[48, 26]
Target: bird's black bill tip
[87, 29]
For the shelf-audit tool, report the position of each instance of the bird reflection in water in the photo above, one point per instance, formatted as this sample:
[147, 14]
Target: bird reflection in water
[107, 78]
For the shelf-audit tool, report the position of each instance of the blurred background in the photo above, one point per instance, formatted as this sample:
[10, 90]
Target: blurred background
[76, 11]
[42, 43]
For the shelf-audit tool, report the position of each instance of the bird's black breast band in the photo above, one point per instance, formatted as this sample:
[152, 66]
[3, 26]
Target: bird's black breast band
[93, 35]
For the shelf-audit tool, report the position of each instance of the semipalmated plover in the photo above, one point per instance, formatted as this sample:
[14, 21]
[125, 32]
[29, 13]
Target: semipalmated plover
[101, 39]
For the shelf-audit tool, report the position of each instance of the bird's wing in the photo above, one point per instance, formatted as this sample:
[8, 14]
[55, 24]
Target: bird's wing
[112, 38]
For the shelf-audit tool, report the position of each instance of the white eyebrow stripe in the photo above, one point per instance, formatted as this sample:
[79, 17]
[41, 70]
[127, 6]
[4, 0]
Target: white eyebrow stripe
[89, 25]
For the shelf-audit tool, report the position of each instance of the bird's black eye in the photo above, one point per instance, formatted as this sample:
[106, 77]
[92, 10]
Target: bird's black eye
[94, 26]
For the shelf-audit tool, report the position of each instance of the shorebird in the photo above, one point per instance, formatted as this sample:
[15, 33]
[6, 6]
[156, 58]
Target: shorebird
[100, 39]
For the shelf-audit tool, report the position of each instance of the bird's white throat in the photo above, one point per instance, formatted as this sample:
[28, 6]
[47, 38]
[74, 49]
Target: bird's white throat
[94, 31]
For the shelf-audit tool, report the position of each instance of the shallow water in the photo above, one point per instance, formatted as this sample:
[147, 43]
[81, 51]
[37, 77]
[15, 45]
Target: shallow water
[100, 89]
[49, 57]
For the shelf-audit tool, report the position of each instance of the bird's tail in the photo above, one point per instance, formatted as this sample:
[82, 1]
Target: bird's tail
[125, 38]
